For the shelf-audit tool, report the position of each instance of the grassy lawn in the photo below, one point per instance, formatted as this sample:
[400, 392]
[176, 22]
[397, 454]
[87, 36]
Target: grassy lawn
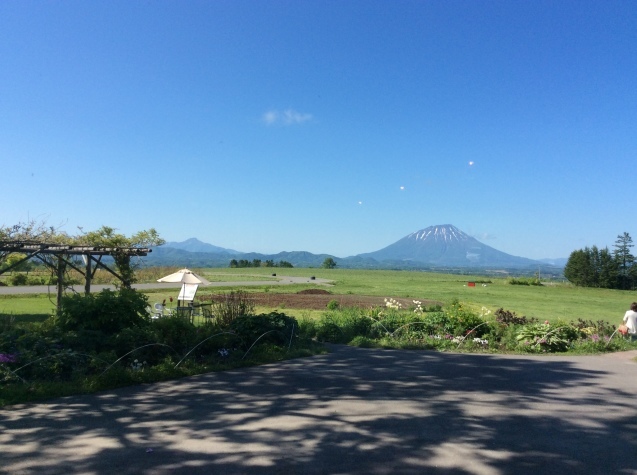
[217, 275]
[27, 308]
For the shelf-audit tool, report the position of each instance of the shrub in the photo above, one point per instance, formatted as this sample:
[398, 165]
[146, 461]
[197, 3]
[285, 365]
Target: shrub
[18, 279]
[307, 327]
[596, 343]
[524, 281]
[510, 318]
[333, 305]
[463, 321]
[341, 326]
[362, 342]
[41, 353]
[273, 327]
[7, 322]
[139, 339]
[544, 337]
[86, 340]
[328, 330]
[411, 325]
[589, 327]
[108, 311]
[175, 332]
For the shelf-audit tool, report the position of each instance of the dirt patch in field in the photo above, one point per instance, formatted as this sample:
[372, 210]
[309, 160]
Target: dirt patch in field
[317, 299]
[314, 291]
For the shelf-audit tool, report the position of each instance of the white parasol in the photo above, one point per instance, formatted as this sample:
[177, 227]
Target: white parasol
[184, 276]
[189, 283]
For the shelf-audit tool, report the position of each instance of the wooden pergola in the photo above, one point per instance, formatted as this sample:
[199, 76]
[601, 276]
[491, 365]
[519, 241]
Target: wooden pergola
[60, 256]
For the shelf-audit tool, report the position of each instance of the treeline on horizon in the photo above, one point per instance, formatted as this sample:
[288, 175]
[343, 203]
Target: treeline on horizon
[240, 263]
[603, 268]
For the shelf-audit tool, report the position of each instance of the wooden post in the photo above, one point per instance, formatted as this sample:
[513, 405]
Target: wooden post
[87, 285]
[60, 284]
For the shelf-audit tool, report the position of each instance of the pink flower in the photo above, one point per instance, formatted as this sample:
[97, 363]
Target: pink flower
[546, 322]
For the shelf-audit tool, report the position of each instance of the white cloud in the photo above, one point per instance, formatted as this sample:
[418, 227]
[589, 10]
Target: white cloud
[485, 237]
[270, 117]
[286, 117]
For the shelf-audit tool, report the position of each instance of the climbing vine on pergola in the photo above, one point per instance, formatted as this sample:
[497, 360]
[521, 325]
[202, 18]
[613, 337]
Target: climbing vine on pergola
[59, 257]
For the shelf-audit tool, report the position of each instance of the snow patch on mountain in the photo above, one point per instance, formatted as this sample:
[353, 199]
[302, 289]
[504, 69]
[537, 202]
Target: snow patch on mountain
[445, 232]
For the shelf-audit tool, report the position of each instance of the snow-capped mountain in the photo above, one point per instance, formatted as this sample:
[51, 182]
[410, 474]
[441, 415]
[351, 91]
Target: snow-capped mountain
[446, 245]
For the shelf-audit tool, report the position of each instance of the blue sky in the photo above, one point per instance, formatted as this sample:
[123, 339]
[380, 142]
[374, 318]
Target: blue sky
[328, 126]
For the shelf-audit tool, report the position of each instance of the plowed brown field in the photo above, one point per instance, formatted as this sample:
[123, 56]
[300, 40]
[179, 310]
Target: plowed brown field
[316, 299]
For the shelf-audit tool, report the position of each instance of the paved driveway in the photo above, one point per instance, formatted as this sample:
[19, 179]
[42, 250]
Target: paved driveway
[354, 411]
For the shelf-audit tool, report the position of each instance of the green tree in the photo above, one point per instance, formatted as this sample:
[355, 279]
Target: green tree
[14, 258]
[625, 259]
[578, 268]
[593, 267]
[108, 237]
[329, 263]
[33, 231]
[608, 270]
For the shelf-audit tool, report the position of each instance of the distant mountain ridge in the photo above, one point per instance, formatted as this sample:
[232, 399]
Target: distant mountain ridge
[441, 247]
[558, 262]
[195, 245]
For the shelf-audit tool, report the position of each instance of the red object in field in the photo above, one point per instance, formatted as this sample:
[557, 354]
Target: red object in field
[471, 284]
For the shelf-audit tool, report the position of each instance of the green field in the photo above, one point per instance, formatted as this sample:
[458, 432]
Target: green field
[551, 301]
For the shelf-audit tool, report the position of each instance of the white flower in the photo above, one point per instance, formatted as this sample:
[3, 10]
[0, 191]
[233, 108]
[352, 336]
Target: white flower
[391, 303]
[137, 366]
[484, 311]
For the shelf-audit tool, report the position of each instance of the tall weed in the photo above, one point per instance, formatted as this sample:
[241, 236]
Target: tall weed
[229, 307]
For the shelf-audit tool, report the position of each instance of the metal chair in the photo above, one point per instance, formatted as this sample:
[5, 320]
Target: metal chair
[151, 313]
[159, 310]
[206, 311]
[185, 313]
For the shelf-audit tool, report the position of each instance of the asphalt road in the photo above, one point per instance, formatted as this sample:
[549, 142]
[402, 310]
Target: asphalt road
[280, 280]
[353, 411]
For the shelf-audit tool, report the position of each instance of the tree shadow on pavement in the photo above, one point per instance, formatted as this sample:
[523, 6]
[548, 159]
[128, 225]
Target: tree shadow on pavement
[352, 411]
